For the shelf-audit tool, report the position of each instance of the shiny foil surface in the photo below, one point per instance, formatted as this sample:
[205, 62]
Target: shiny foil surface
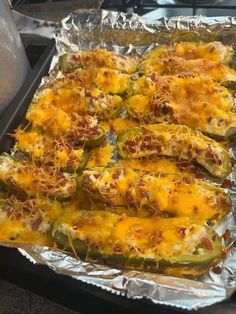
[130, 34]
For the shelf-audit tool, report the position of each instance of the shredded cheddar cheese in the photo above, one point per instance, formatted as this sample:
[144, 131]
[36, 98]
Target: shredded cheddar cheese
[101, 156]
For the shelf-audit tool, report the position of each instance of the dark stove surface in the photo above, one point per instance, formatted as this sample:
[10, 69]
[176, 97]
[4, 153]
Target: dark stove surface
[152, 9]
[168, 8]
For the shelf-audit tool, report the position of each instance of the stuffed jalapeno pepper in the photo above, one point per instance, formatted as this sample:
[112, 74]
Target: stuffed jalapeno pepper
[97, 58]
[93, 102]
[162, 194]
[175, 141]
[176, 246]
[56, 122]
[49, 151]
[27, 180]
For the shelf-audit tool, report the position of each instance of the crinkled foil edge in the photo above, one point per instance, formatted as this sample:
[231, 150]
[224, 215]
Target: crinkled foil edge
[128, 34]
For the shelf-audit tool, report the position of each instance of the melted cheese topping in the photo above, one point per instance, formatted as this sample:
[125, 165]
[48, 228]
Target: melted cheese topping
[81, 101]
[88, 90]
[48, 150]
[36, 214]
[120, 124]
[58, 123]
[25, 178]
[105, 79]
[116, 125]
[176, 65]
[160, 165]
[52, 118]
[214, 51]
[111, 81]
[155, 238]
[14, 231]
[202, 115]
[186, 90]
[175, 195]
[99, 58]
[101, 156]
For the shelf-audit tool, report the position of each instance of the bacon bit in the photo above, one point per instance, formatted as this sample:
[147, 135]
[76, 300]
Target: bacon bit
[156, 237]
[117, 174]
[137, 230]
[189, 154]
[210, 154]
[224, 202]
[233, 161]
[152, 76]
[227, 184]
[160, 106]
[227, 250]
[76, 225]
[187, 180]
[226, 235]
[209, 119]
[35, 225]
[117, 248]
[17, 215]
[206, 243]
[144, 194]
[130, 146]
[113, 185]
[217, 270]
[195, 209]
[76, 58]
[97, 175]
[88, 94]
[216, 216]
[181, 232]
[130, 200]
[105, 142]
[122, 217]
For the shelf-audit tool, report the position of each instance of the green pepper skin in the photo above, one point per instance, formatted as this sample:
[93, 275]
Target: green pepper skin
[118, 260]
[230, 84]
[80, 168]
[187, 144]
[190, 264]
[123, 137]
[96, 140]
[65, 65]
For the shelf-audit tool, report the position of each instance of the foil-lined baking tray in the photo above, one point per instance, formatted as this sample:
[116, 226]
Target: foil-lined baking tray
[129, 34]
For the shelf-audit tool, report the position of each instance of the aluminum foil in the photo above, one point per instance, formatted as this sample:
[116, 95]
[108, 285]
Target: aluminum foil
[130, 34]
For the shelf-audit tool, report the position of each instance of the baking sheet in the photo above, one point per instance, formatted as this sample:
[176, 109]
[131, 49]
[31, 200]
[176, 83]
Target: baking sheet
[130, 34]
